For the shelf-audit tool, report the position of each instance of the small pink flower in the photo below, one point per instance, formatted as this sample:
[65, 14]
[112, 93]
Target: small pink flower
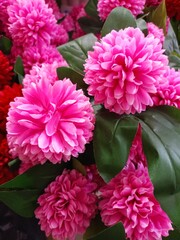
[4, 4]
[67, 206]
[129, 198]
[31, 23]
[104, 7]
[49, 122]
[47, 72]
[156, 31]
[56, 11]
[60, 35]
[168, 93]
[124, 69]
[41, 55]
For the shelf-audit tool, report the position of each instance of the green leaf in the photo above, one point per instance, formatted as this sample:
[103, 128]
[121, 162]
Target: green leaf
[76, 78]
[5, 45]
[90, 25]
[21, 193]
[114, 232]
[161, 138]
[174, 61]
[113, 136]
[171, 44]
[19, 69]
[159, 16]
[91, 9]
[95, 227]
[119, 18]
[141, 24]
[75, 52]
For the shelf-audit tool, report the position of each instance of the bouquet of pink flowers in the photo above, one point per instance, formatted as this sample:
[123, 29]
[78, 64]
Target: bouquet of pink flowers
[89, 117]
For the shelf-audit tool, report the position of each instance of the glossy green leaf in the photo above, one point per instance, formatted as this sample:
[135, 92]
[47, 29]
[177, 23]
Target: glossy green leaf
[174, 61]
[91, 9]
[5, 45]
[159, 16]
[141, 24]
[75, 52]
[76, 78]
[119, 18]
[19, 69]
[113, 136]
[90, 25]
[114, 232]
[95, 227]
[171, 44]
[21, 193]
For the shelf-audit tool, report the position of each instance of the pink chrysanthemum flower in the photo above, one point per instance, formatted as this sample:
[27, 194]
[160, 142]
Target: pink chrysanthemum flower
[4, 16]
[56, 11]
[168, 93]
[45, 72]
[156, 31]
[104, 7]
[124, 69]
[67, 206]
[40, 55]
[60, 35]
[129, 198]
[31, 23]
[153, 2]
[49, 122]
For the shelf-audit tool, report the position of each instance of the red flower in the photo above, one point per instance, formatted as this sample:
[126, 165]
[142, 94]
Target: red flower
[5, 173]
[6, 96]
[5, 70]
[173, 8]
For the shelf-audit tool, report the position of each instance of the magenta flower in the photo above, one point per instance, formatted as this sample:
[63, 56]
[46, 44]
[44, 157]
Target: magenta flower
[129, 198]
[67, 206]
[56, 11]
[41, 55]
[104, 7]
[31, 23]
[47, 72]
[49, 122]
[60, 35]
[156, 31]
[124, 69]
[168, 93]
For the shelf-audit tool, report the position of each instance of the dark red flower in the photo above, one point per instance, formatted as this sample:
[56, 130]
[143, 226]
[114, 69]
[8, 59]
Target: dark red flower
[7, 95]
[5, 70]
[5, 173]
[173, 8]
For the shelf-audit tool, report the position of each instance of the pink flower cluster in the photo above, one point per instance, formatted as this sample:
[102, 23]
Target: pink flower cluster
[124, 70]
[129, 198]
[67, 206]
[35, 32]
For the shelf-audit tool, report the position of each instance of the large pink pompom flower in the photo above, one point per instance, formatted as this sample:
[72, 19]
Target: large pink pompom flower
[67, 206]
[31, 22]
[129, 198]
[168, 93]
[124, 69]
[49, 122]
[104, 7]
